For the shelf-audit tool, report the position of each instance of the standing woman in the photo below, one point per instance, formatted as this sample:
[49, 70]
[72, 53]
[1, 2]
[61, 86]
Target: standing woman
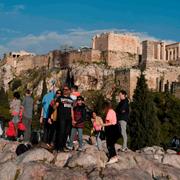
[111, 131]
[15, 106]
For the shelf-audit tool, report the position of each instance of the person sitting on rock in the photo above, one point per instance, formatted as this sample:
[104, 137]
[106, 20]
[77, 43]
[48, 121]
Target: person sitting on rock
[78, 123]
[97, 127]
[111, 131]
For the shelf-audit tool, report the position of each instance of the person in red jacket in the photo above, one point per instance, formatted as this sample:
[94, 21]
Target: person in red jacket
[78, 123]
[11, 132]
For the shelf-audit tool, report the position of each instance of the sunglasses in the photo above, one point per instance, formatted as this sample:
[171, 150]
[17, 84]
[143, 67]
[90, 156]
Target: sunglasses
[65, 89]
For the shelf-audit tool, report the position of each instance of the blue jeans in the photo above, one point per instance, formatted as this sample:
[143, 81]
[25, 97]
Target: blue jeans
[98, 140]
[80, 138]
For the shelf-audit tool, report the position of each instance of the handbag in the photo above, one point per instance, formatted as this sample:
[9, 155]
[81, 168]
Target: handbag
[54, 114]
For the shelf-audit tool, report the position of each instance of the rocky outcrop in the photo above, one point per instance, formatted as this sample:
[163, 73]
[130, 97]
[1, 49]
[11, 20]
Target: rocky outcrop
[39, 163]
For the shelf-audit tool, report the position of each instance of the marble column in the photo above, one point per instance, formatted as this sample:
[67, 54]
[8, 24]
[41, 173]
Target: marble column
[175, 54]
[158, 51]
[163, 51]
[168, 56]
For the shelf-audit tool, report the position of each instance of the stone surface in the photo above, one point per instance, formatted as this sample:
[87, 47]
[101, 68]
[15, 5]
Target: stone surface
[7, 155]
[170, 151]
[36, 155]
[62, 159]
[38, 164]
[172, 159]
[8, 170]
[128, 174]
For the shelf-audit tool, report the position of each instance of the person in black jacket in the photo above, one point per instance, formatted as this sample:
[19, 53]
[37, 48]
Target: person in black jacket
[122, 112]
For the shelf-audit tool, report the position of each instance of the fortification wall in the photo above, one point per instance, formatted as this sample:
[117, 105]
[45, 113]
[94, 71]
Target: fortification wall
[124, 43]
[118, 59]
[100, 42]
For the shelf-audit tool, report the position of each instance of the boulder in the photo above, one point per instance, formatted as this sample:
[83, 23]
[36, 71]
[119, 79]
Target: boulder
[65, 174]
[11, 146]
[152, 150]
[170, 151]
[128, 174]
[40, 170]
[37, 154]
[3, 142]
[62, 159]
[91, 157]
[5, 156]
[172, 159]
[8, 170]
[32, 171]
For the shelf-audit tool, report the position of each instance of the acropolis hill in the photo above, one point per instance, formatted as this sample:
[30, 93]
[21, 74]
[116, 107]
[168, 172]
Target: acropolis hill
[123, 53]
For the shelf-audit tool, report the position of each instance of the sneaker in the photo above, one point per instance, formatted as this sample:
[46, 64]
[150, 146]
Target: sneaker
[70, 148]
[80, 149]
[124, 149]
[112, 160]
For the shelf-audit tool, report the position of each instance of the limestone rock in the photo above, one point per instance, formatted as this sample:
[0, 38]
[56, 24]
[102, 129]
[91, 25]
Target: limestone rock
[170, 151]
[129, 174]
[8, 170]
[11, 146]
[172, 159]
[5, 156]
[62, 159]
[91, 157]
[153, 150]
[35, 155]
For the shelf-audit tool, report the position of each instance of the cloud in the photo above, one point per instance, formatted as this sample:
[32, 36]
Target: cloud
[7, 30]
[47, 41]
[15, 9]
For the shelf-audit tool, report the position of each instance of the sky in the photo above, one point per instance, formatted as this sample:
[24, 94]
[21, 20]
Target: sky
[40, 26]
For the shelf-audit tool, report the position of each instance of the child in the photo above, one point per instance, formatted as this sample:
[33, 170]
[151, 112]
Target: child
[10, 132]
[15, 105]
[78, 123]
[97, 127]
[21, 126]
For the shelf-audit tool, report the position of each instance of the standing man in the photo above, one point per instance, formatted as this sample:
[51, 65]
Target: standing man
[27, 114]
[65, 116]
[122, 112]
[45, 112]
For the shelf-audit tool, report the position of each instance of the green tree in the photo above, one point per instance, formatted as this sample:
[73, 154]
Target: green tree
[144, 124]
[15, 84]
[44, 88]
[4, 104]
[168, 111]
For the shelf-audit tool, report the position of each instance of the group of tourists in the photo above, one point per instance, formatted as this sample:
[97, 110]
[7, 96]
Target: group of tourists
[63, 116]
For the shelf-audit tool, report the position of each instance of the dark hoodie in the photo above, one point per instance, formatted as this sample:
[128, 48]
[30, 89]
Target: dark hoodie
[122, 110]
[79, 116]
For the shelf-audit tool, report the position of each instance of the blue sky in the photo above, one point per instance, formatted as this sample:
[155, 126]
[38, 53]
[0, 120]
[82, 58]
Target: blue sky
[42, 25]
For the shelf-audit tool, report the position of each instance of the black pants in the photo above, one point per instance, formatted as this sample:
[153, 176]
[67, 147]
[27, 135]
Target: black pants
[111, 140]
[51, 132]
[63, 130]
[47, 130]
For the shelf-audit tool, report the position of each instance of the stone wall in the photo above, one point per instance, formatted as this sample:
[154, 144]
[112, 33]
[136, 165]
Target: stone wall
[117, 42]
[100, 42]
[30, 62]
[124, 43]
[118, 59]
[158, 79]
